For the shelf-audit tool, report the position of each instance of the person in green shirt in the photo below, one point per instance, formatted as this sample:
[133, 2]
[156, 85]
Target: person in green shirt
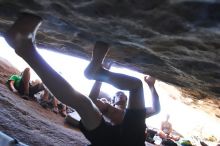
[20, 84]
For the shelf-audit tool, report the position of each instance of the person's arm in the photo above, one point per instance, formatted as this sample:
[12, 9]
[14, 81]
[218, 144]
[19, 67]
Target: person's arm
[12, 87]
[170, 130]
[161, 126]
[155, 109]
[94, 93]
[103, 105]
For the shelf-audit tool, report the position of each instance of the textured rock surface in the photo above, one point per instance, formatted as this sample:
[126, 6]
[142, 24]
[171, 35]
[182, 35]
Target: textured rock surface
[177, 42]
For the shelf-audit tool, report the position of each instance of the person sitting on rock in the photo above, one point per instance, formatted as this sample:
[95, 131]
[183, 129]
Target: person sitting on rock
[20, 84]
[48, 99]
[166, 130]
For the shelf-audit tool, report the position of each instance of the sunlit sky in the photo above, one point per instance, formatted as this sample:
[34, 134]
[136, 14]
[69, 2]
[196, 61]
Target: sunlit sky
[183, 118]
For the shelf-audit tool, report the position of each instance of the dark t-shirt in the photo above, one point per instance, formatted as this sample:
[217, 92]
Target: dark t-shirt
[131, 132]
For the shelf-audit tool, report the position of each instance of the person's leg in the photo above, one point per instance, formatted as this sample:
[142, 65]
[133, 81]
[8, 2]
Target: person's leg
[55, 102]
[24, 85]
[63, 110]
[44, 99]
[55, 105]
[45, 96]
[99, 52]
[27, 24]
[26, 80]
[123, 82]
[21, 37]
[60, 107]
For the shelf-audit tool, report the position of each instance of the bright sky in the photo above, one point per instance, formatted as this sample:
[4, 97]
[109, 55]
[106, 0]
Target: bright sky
[184, 119]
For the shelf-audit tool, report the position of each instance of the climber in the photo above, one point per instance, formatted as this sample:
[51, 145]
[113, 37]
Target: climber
[21, 37]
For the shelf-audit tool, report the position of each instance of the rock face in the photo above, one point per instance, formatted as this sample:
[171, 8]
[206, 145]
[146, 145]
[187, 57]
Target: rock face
[178, 42]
